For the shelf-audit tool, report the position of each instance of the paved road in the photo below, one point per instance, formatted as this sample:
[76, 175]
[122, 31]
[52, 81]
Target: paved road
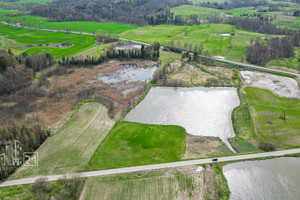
[137, 42]
[150, 167]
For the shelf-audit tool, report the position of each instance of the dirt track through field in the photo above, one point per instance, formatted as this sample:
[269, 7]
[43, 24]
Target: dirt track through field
[71, 148]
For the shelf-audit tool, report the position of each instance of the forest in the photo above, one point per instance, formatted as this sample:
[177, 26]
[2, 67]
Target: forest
[275, 48]
[141, 12]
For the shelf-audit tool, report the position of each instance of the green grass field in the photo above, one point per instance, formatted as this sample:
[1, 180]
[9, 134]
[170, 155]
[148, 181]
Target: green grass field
[13, 192]
[94, 51]
[4, 11]
[85, 26]
[25, 1]
[21, 37]
[287, 21]
[282, 133]
[203, 12]
[71, 148]
[245, 139]
[207, 34]
[132, 144]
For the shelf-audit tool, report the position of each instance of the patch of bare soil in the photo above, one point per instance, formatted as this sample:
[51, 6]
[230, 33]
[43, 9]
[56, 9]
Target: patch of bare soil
[199, 147]
[67, 90]
[280, 85]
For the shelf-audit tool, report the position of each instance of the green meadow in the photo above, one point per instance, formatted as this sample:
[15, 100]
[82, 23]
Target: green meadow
[4, 11]
[25, 1]
[133, 144]
[282, 133]
[85, 26]
[22, 37]
[232, 47]
[203, 12]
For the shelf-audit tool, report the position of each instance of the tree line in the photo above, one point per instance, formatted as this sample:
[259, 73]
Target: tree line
[258, 25]
[138, 12]
[145, 52]
[30, 135]
[17, 72]
[261, 52]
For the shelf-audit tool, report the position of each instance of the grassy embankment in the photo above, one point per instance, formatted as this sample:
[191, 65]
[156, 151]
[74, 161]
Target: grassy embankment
[71, 148]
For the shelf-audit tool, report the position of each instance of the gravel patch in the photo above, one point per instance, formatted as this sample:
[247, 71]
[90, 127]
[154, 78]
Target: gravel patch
[280, 85]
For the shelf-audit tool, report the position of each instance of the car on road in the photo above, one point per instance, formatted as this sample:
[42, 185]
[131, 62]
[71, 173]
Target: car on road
[215, 159]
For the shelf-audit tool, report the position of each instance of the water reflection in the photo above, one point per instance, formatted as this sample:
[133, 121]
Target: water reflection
[201, 111]
[130, 73]
[265, 179]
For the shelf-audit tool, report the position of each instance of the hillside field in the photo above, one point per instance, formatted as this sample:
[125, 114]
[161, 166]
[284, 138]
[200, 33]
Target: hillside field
[85, 26]
[35, 37]
[70, 148]
[207, 34]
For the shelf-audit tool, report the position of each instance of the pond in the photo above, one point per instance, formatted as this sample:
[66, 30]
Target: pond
[201, 111]
[130, 72]
[264, 179]
[129, 47]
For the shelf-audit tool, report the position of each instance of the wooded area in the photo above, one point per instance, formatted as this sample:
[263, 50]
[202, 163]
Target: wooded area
[275, 48]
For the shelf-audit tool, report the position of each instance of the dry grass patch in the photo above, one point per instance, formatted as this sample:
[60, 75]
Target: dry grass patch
[171, 183]
[179, 183]
[221, 71]
[199, 147]
[67, 90]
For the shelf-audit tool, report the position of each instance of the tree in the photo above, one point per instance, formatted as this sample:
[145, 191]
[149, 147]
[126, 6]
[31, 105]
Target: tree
[297, 13]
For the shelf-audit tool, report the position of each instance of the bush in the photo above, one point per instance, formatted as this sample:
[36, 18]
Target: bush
[267, 146]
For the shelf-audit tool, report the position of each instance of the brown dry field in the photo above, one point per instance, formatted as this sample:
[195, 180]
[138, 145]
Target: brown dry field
[200, 147]
[179, 183]
[187, 74]
[83, 83]
[220, 71]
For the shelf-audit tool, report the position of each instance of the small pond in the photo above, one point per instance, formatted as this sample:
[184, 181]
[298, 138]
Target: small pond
[130, 72]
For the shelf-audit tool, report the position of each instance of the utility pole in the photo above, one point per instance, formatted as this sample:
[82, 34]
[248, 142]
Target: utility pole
[271, 112]
[283, 115]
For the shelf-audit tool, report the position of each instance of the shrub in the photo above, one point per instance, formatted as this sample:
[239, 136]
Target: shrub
[267, 146]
